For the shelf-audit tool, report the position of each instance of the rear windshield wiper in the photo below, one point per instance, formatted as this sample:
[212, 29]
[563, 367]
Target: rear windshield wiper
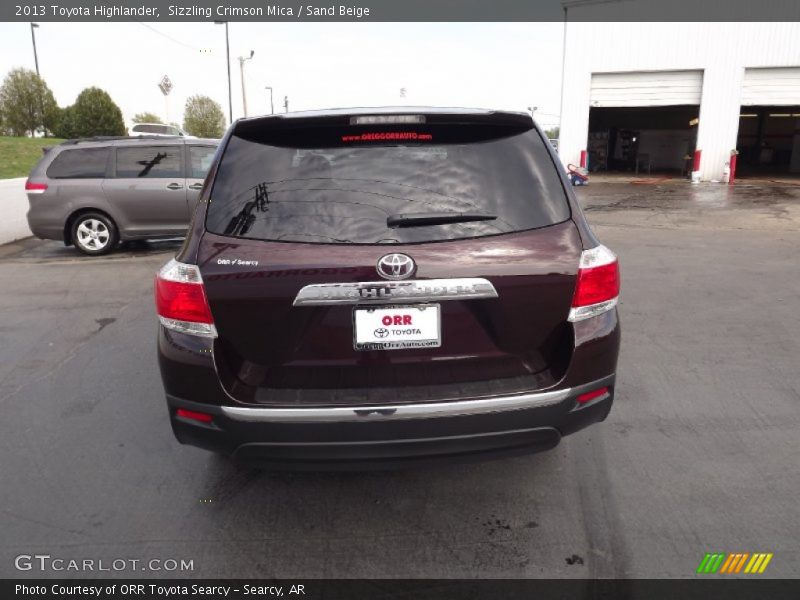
[435, 218]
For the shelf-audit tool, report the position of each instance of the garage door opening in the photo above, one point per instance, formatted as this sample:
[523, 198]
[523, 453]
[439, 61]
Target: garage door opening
[768, 142]
[653, 140]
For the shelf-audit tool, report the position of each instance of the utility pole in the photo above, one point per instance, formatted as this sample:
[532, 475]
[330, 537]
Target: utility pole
[563, 69]
[286, 103]
[271, 105]
[228, 62]
[241, 70]
[34, 27]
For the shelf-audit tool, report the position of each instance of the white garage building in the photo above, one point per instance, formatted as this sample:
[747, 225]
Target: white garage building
[647, 95]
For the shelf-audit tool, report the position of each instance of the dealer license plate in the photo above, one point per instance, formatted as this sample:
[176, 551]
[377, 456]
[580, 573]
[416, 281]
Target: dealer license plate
[397, 327]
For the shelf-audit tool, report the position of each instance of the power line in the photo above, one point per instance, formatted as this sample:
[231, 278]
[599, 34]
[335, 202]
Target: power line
[169, 37]
[161, 33]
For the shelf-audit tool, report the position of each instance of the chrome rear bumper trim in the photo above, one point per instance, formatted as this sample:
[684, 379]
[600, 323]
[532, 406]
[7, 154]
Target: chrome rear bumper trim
[396, 412]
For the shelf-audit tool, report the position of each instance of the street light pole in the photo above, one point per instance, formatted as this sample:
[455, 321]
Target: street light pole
[228, 59]
[286, 103]
[34, 27]
[241, 70]
[271, 105]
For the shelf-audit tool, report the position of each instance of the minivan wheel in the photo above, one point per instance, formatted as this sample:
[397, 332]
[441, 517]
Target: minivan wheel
[94, 233]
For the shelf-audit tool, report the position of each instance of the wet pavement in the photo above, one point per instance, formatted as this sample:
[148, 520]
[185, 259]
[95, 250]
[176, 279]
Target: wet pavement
[699, 453]
[32, 250]
[681, 204]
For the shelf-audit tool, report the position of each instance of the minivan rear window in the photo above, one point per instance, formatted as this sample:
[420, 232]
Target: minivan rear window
[385, 184]
[149, 161]
[86, 163]
[160, 129]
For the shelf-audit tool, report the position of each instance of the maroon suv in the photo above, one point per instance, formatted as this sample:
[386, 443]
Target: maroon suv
[383, 287]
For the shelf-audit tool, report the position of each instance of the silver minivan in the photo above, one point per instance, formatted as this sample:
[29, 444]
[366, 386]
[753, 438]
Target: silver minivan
[96, 192]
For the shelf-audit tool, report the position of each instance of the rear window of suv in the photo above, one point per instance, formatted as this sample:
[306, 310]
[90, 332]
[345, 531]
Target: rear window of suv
[380, 184]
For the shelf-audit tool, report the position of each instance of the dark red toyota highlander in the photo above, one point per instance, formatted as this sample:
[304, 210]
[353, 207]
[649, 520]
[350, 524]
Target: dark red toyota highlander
[381, 287]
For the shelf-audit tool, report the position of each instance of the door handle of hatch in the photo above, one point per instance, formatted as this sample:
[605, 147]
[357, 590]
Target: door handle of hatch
[196, 186]
[174, 186]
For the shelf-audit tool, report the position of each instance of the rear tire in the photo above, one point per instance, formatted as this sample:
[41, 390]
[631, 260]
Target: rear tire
[94, 234]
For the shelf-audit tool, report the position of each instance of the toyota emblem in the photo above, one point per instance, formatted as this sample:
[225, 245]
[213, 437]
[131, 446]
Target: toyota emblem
[396, 266]
[381, 332]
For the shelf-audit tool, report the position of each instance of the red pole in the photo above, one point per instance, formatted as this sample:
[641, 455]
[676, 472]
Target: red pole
[733, 168]
[696, 162]
[583, 158]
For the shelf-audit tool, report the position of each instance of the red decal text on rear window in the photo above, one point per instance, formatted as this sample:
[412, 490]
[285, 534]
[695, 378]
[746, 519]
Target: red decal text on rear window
[381, 136]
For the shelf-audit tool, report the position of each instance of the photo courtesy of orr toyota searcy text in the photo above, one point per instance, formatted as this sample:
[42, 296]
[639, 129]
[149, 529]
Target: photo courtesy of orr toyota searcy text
[151, 590]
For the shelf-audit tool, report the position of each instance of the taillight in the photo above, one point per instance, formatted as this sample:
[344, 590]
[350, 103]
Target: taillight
[589, 396]
[32, 187]
[193, 415]
[181, 300]
[597, 289]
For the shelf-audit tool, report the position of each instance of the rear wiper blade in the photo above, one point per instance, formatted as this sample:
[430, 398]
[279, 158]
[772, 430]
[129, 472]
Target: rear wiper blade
[435, 218]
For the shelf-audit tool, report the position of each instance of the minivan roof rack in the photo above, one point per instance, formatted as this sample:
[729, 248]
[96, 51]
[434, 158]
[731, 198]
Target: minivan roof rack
[113, 138]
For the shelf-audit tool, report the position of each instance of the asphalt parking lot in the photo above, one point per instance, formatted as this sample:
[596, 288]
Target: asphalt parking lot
[700, 453]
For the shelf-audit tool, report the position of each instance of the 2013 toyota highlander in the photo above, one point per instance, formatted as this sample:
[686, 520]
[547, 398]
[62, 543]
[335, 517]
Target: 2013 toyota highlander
[385, 287]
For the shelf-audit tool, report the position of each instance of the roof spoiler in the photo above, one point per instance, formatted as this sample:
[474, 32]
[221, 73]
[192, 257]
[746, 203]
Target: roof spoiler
[350, 117]
[113, 138]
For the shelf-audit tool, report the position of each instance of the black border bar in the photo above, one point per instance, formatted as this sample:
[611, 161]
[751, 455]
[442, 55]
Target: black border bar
[705, 588]
[399, 10]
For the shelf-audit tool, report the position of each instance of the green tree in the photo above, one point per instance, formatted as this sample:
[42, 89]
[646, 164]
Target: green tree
[94, 113]
[203, 117]
[26, 103]
[552, 134]
[65, 124]
[146, 117]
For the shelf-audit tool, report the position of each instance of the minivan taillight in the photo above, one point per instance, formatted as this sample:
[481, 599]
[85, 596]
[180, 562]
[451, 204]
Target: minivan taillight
[181, 300]
[597, 289]
[32, 187]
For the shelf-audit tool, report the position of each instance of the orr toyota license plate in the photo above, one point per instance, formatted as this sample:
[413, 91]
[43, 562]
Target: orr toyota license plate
[397, 327]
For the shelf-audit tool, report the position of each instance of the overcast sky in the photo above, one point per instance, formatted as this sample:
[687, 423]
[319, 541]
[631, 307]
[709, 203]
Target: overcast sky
[318, 65]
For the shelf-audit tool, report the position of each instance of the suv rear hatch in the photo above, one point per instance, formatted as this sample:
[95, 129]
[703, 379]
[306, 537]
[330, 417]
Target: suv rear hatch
[309, 228]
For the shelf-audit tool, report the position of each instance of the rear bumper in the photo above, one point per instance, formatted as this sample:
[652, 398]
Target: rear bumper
[378, 436]
[46, 231]
[391, 437]
[46, 216]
